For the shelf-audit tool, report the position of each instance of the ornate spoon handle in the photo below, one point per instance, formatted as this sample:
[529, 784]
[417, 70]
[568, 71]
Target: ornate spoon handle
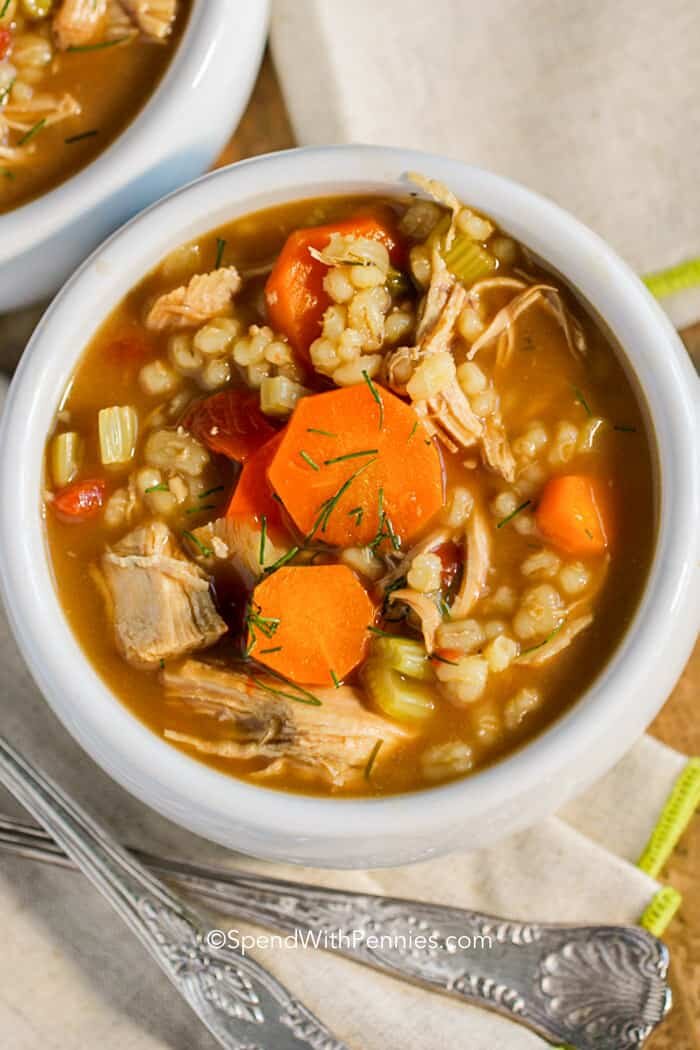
[241, 1004]
[594, 988]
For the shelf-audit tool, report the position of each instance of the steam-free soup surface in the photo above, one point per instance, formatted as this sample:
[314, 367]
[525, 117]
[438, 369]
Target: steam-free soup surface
[72, 77]
[371, 503]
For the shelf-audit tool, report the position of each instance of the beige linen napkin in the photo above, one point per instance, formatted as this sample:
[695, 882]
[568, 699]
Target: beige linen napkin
[592, 102]
[72, 977]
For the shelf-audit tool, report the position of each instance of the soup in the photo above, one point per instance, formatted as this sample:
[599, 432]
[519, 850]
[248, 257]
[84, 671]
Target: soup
[73, 74]
[351, 496]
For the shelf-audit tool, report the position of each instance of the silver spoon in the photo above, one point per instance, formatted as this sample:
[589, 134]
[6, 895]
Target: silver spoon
[592, 987]
[241, 1004]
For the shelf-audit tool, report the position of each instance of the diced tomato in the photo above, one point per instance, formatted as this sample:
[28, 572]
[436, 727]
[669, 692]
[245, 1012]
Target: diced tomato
[450, 554]
[294, 294]
[254, 496]
[79, 501]
[128, 350]
[229, 423]
[5, 41]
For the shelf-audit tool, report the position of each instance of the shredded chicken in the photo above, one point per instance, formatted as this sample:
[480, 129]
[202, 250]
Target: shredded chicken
[160, 601]
[425, 609]
[334, 739]
[155, 18]
[429, 543]
[442, 195]
[477, 561]
[51, 109]
[207, 295]
[441, 288]
[238, 542]
[496, 447]
[79, 22]
[502, 327]
[557, 642]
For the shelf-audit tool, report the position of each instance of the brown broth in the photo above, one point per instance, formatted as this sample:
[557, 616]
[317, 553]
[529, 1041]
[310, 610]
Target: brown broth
[543, 381]
[112, 85]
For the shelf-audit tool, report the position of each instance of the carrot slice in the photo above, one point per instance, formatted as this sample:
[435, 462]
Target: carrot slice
[5, 40]
[294, 291]
[229, 423]
[575, 514]
[315, 620]
[253, 497]
[356, 467]
[80, 501]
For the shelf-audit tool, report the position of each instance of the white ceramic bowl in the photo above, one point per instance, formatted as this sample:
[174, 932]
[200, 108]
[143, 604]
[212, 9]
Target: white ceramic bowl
[176, 136]
[357, 833]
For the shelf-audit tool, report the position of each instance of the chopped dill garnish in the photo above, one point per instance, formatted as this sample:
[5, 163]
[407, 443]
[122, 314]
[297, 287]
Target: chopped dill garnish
[274, 649]
[375, 394]
[206, 552]
[588, 533]
[32, 132]
[395, 585]
[357, 513]
[263, 538]
[444, 609]
[552, 634]
[382, 634]
[210, 492]
[414, 428]
[162, 486]
[307, 459]
[582, 401]
[336, 680]
[444, 660]
[324, 433]
[101, 46]
[83, 135]
[300, 698]
[372, 756]
[509, 517]
[329, 505]
[351, 455]
[624, 429]
[385, 530]
[198, 510]
[291, 553]
[220, 249]
[161, 664]
[5, 6]
[254, 622]
[6, 173]
[6, 90]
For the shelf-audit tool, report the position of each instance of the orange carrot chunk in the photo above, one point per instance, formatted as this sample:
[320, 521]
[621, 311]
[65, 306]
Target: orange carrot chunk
[253, 497]
[575, 513]
[294, 294]
[356, 467]
[80, 501]
[229, 423]
[313, 623]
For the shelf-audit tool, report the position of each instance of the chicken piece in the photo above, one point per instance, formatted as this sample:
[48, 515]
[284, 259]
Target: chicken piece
[333, 739]
[238, 542]
[559, 640]
[496, 448]
[51, 109]
[155, 18]
[160, 600]
[79, 22]
[502, 327]
[431, 542]
[207, 295]
[444, 196]
[425, 609]
[477, 561]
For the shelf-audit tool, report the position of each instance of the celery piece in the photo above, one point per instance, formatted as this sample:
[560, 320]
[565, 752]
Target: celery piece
[118, 427]
[66, 457]
[402, 698]
[404, 655]
[469, 261]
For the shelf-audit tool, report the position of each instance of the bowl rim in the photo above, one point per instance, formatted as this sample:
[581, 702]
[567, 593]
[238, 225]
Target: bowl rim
[159, 120]
[665, 621]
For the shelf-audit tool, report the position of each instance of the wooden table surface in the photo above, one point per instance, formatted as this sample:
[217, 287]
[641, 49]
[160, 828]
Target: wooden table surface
[265, 127]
